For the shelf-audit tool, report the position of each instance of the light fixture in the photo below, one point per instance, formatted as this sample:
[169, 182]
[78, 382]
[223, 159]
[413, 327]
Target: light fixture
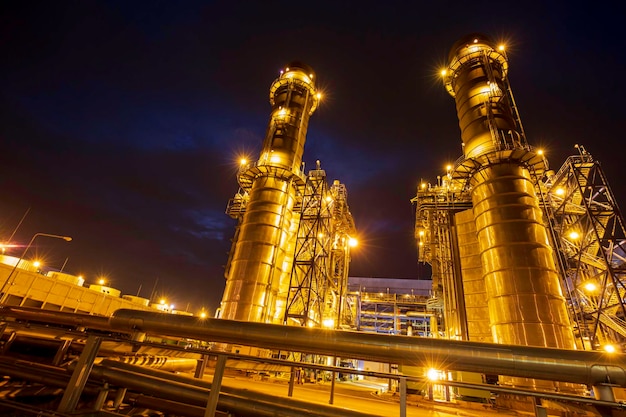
[609, 348]
[432, 374]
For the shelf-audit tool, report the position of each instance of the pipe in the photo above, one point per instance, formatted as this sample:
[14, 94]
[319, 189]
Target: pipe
[42, 374]
[171, 387]
[56, 317]
[164, 363]
[581, 367]
[239, 392]
[173, 407]
[257, 277]
[245, 402]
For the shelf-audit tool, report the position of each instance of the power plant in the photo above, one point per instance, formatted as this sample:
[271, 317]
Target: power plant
[525, 312]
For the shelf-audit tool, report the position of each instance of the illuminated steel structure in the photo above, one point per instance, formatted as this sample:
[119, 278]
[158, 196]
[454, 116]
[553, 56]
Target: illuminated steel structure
[546, 250]
[524, 297]
[279, 268]
[589, 230]
[318, 282]
[260, 257]
[513, 268]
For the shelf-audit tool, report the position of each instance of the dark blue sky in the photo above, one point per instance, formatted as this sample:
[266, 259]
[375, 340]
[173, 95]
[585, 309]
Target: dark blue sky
[121, 122]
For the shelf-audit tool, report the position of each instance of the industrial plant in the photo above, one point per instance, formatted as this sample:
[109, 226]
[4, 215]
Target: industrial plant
[524, 311]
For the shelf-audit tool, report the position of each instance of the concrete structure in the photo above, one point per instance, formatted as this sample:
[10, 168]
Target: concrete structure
[57, 291]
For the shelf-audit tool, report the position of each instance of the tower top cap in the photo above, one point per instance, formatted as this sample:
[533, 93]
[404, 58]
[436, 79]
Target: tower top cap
[468, 40]
[298, 65]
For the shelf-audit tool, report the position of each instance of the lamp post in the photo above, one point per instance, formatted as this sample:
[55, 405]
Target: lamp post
[8, 280]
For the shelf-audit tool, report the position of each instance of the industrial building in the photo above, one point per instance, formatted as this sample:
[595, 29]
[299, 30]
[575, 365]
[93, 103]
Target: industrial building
[523, 309]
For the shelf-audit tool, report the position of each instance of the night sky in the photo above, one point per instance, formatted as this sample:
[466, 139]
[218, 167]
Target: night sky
[122, 122]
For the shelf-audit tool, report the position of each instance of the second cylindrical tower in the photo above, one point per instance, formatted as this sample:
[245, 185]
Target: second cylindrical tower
[524, 297]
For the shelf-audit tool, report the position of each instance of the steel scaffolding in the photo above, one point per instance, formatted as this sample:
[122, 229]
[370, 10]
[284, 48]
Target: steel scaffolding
[318, 283]
[310, 273]
[435, 234]
[588, 229]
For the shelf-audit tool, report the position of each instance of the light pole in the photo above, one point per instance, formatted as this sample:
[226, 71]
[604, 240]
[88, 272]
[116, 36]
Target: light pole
[8, 280]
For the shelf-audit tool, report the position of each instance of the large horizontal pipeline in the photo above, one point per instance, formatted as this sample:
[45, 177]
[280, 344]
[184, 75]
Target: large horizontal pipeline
[582, 367]
[56, 317]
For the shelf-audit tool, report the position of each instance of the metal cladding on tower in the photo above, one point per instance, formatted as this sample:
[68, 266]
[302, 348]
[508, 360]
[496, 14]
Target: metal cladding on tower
[477, 78]
[525, 301]
[293, 99]
[262, 253]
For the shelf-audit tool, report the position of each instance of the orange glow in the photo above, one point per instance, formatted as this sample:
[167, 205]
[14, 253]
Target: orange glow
[328, 323]
[609, 348]
[432, 374]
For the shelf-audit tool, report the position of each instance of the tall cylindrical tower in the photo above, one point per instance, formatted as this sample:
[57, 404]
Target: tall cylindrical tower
[525, 301]
[262, 254]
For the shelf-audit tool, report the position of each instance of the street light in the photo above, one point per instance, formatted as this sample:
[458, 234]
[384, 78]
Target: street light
[8, 280]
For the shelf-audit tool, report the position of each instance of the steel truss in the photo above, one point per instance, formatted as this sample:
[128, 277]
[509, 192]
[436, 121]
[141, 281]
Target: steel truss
[588, 229]
[311, 267]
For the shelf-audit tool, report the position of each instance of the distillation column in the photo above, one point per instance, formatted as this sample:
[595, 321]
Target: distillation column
[262, 253]
[525, 301]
